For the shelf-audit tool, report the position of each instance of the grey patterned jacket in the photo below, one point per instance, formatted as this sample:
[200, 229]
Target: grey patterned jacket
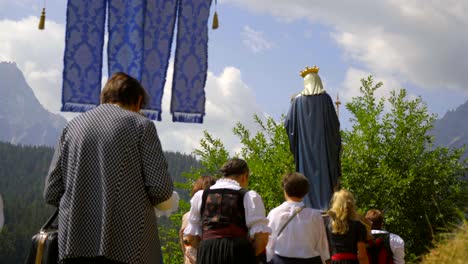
[107, 172]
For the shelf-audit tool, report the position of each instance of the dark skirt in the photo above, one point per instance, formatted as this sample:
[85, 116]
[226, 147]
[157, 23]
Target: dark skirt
[226, 251]
[277, 259]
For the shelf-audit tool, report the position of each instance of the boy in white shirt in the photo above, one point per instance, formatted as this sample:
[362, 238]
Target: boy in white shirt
[303, 239]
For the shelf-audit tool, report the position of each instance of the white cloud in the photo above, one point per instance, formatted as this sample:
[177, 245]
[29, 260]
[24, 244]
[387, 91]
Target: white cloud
[423, 42]
[352, 83]
[228, 101]
[255, 40]
[38, 54]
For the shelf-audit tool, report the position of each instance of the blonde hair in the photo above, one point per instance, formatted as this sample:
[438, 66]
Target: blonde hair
[343, 209]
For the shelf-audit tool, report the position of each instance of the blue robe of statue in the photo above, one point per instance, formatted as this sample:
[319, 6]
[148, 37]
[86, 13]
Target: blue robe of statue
[315, 141]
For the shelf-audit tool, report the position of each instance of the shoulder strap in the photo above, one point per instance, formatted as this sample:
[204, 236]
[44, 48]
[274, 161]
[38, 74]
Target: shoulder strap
[389, 253]
[50, 220]
[243, 191]
[240, 205]
[298, 209]
[204, 196]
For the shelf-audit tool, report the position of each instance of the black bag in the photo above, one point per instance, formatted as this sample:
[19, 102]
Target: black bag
[44, 247]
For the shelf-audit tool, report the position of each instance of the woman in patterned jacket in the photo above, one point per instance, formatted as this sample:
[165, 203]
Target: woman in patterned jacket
[107, 173]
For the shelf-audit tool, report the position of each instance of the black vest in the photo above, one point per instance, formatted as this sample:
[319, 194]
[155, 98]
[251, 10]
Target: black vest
[223, 213]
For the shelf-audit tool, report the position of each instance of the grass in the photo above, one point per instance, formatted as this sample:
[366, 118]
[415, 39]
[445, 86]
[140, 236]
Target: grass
[453, 250]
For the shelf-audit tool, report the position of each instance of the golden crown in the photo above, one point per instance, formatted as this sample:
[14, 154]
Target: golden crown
[308, 70]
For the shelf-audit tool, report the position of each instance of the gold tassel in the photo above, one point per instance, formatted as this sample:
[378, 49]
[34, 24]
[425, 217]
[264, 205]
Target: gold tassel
[42, 20]
[215, 20]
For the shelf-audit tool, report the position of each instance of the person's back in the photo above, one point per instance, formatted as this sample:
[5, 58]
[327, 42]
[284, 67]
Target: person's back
[346, 234]
[228, 236]
[385, 247]
[303, 239]
[378, 249]
[107, 174]
[347, 242]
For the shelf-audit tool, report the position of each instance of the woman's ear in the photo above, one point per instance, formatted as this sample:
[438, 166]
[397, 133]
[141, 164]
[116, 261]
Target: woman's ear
[140, 100]
[245, 180]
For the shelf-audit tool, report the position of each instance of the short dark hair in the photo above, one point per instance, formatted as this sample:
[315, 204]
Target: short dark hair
[234, 167]
[124, 89]
[295, 184]
[376, 217]
[202, 183]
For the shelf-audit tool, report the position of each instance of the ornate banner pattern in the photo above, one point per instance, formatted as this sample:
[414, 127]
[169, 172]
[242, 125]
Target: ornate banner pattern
[140, 37]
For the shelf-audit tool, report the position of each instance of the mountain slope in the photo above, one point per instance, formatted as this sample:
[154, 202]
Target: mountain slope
[452, 129]
[23, 120]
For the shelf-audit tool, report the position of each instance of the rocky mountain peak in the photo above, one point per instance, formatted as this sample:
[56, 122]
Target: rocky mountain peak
[23, 120]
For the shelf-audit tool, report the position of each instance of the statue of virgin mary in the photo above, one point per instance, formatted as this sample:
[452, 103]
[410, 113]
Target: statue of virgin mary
[314, 137]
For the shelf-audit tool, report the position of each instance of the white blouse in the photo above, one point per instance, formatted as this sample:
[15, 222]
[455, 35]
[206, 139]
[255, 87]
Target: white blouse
[303, 237]
[254, 210]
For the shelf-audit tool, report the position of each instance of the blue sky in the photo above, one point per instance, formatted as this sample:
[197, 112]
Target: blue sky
[256, 55]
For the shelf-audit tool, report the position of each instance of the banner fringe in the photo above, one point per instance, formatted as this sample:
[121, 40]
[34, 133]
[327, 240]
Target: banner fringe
[187, 117]
[76, 107]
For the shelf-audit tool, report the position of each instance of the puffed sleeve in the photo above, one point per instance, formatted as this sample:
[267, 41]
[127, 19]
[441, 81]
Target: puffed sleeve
[397, 245]
[270, 248]
[169, 206]
[194, 218]
[255, 214]
[322, 244]
[158, 182]
[54, 186]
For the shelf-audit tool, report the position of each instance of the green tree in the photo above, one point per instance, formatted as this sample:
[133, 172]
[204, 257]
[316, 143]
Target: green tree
[389, 163]
[269, 158]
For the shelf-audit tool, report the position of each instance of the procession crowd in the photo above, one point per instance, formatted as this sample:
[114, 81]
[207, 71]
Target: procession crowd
[109, 172]
[227, 224]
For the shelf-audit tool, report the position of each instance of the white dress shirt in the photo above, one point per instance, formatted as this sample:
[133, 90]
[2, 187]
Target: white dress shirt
[397, 245]
[303, 237]
[254, 210]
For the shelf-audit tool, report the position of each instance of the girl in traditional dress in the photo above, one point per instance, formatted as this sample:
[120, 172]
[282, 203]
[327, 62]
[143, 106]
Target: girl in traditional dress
[229, 219]
[347, 235]
[190, 252]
